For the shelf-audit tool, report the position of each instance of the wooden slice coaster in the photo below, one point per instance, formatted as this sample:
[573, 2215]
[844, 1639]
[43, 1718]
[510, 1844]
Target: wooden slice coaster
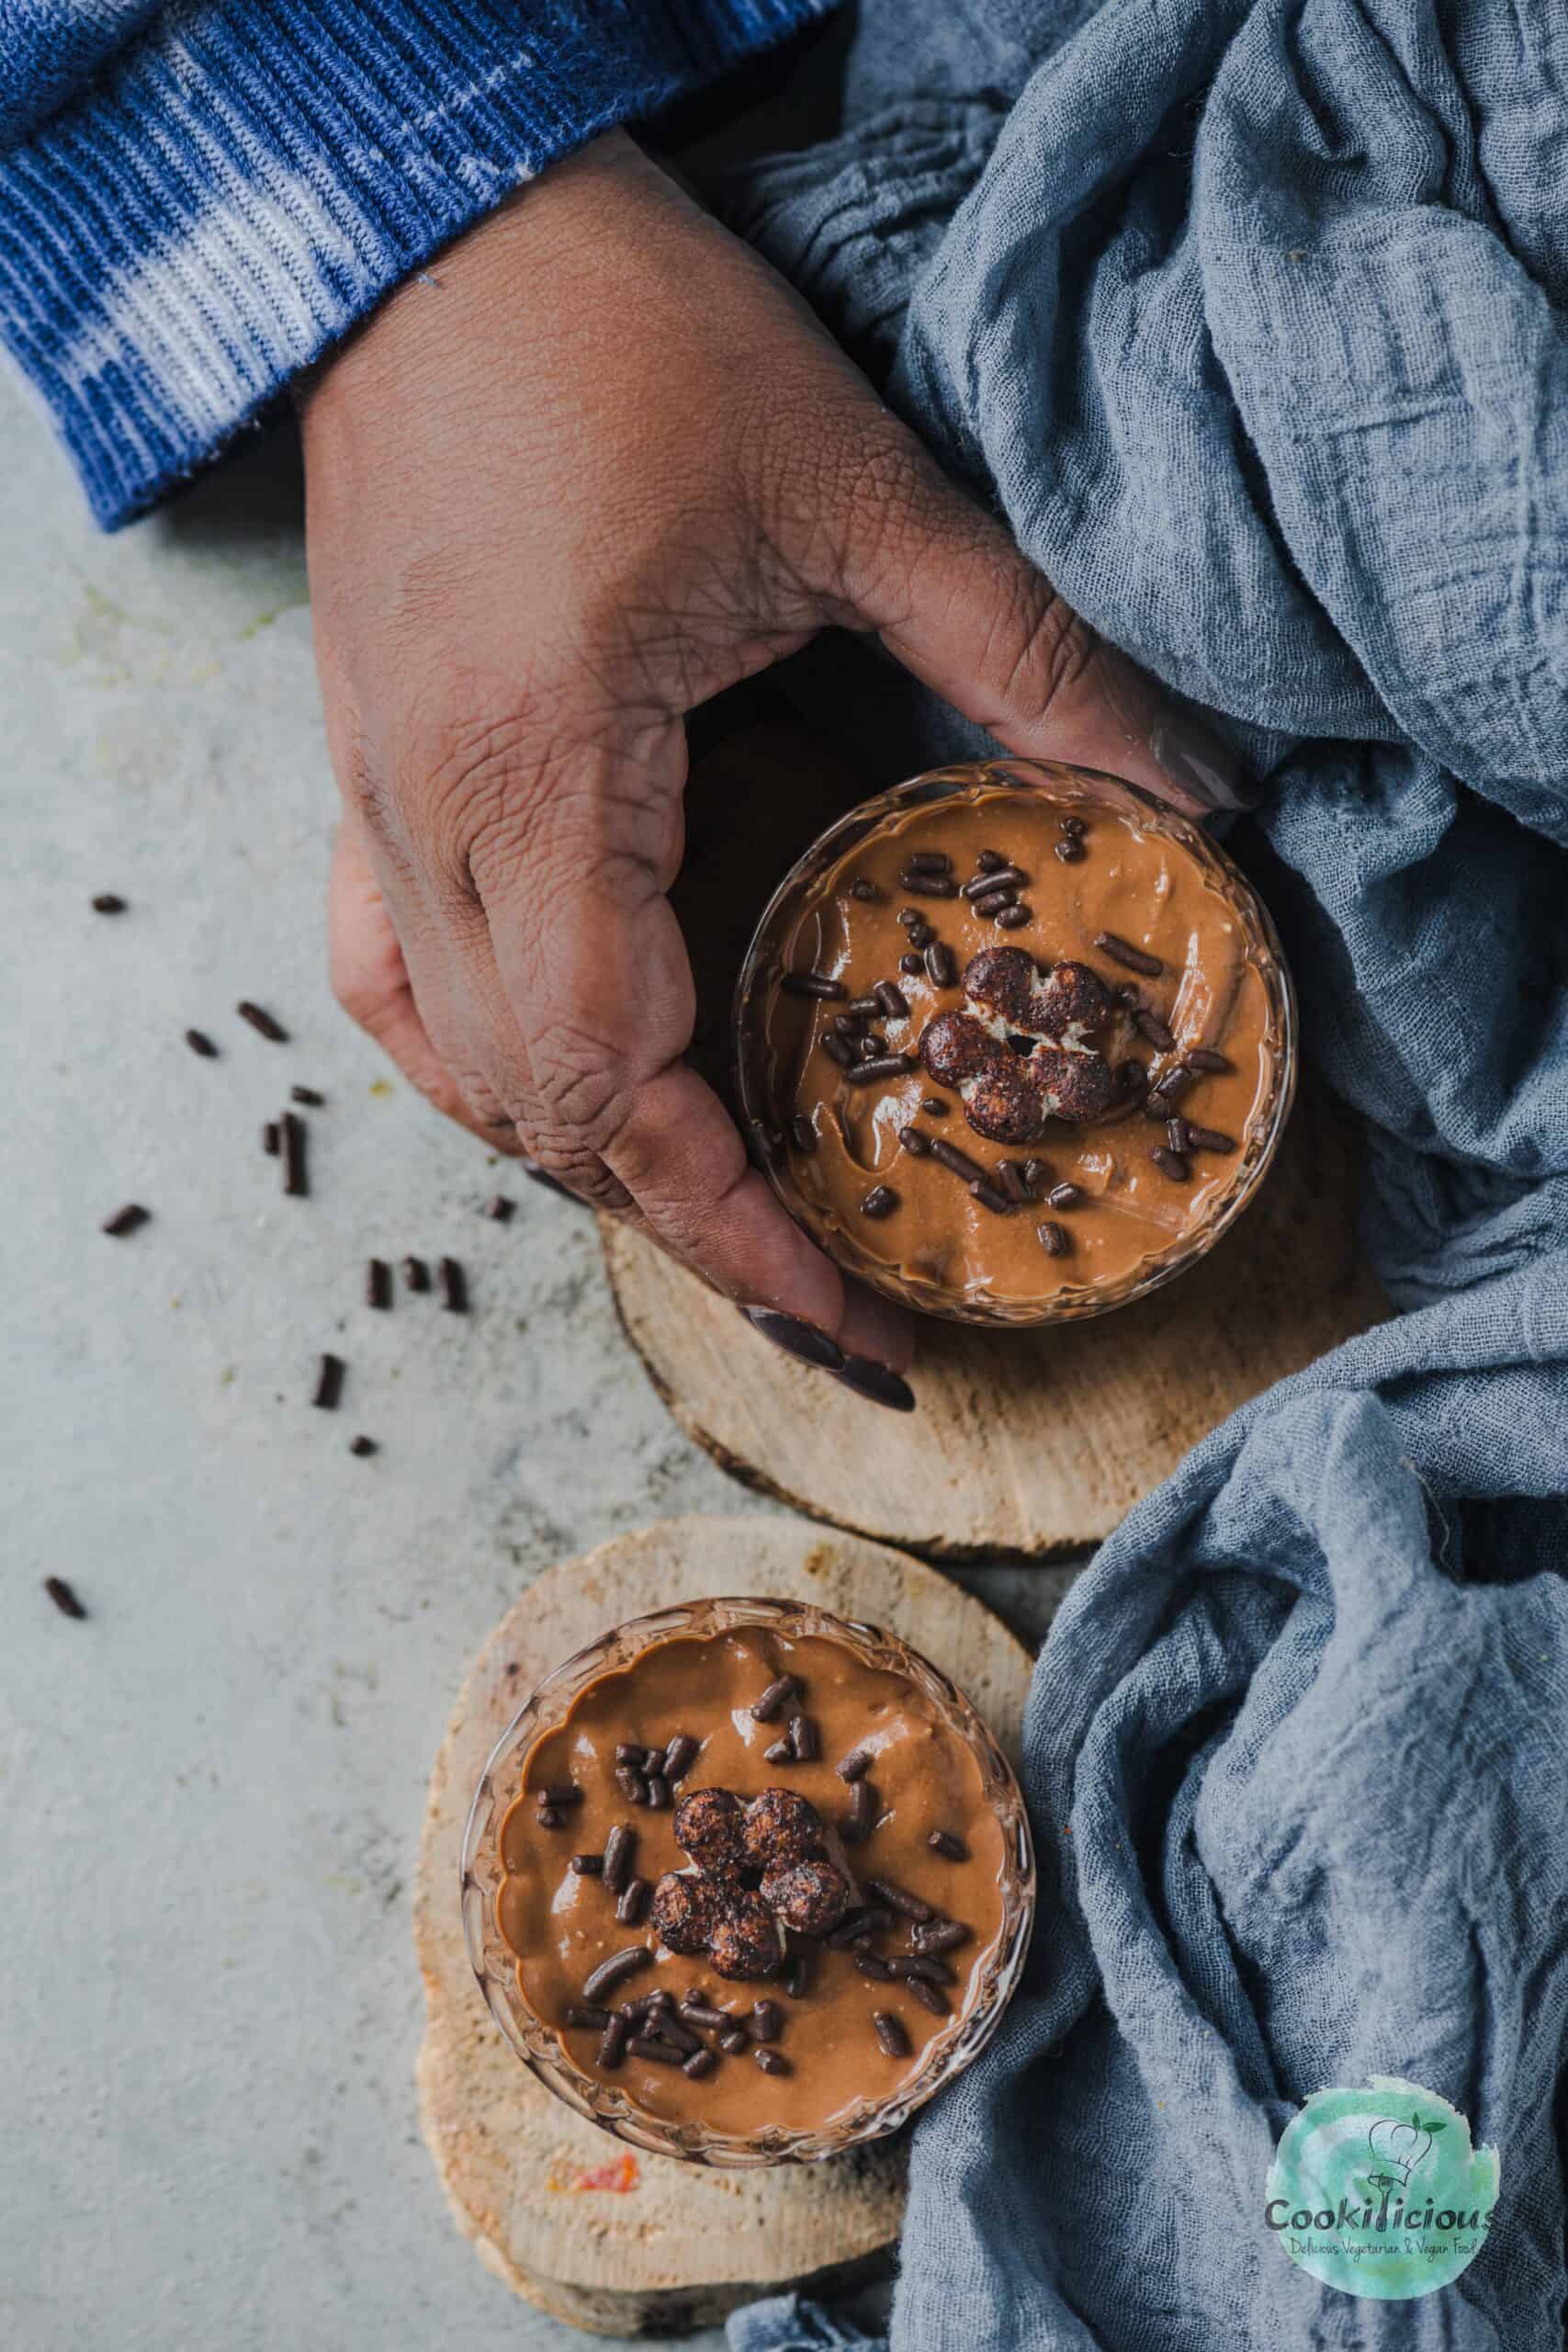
[1026, 1442]
[593, 2231]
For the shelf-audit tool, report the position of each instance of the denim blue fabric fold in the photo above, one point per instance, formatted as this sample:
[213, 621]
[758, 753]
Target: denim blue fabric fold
[1250, 317]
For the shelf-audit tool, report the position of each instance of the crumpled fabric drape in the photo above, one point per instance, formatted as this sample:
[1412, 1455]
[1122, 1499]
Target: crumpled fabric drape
[1252, 318]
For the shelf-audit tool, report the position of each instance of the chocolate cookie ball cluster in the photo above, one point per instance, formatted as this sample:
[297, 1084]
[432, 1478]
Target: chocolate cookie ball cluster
[756, 1870]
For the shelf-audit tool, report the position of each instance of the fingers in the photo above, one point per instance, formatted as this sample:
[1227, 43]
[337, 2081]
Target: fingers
[595, 969]
[954, 600]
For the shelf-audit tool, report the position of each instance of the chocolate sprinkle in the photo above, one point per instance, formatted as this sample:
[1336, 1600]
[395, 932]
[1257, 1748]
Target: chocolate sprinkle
[700, 2062]
[934, 1108]
[1064, 1196]
[928, 886]
[770, 2062]
[662, 2053]
[498, 1208]
[917, 1145]
[329, 1383]
[64, 1596]
[587, 2016]
[264, 1024]
[929, 1996]
[836, 1051]
[766, 2021]
[958, 1161]
[803, 1743]
[632, 1908]
[680, 1757]
[416, 1273]
[126, 1220]
[775, 1698]
[802, 1134]
[883, 1065]
[934, 1971]
[942, 1935]
[377, 1283]
[200, 1043]
[1149, 1025]
[612, 2048]
[869, 1964]
[880, 1201]
[1014, 918]
[1121, 950]
[1070, 850]
[912, 965]
[1052, 1238]
[941, 971]
[620, 1847]
[990, 861]
[296, 1176]
[855, 1765]
[1208, 1139]
[564, 1793]
[814, 984]
[362, 1446]
[1170, 1163]
[735, 2040]
[1205, 1057]
[899, 1899]
[892, 1000]
[930, 861]
[1009, 1176]
[993, 878]
[986, 1193]
[109, 902]
[270, 1138]
[863, 890]
[890, 2034]
[861, 1819]
[950, 1849]
[616, 1970]
[308, 1095]
[454, 1286]
[780, 1752]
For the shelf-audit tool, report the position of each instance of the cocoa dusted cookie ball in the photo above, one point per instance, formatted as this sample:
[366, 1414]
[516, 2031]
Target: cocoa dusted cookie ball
[683, 1911]
[810, 1896]
[709, 1825]
[744, 1940]
[781, 1829]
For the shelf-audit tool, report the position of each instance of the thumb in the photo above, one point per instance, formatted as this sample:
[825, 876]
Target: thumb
[952, 599]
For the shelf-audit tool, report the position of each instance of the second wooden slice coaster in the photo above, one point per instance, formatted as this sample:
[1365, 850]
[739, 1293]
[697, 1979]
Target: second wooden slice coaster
[592, 2230]
[1025, 1442]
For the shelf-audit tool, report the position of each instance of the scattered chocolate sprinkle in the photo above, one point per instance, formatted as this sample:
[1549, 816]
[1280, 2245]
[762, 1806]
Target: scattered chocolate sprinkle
[815, 984]
[632, 1908]
[1064, 1196]
[802, 1134]
[656, 1793]
[109, 902]
[1170, 1083]
[329, 1383]
[804, 1742]
[934, 1108]
[735, 2040]
[993, 879]
[880, 1201]
[264, 1024]
[700, 2062]
[766, 2021]
[666, 2027]
[616, 1970]
[126, 1220]
[950, 1849]
[416, 1273]
[308, 1095]
[986, 1193]
[793, 1976]
[770, 2062]
[836, 1051]
[921, 935]
[912, 965]
[1176, 1134]
[620, 1847]
[958, 1161]
[454, 1286]
[1070, 850]
[1171, 1163]
[697, 2010]
[863, 890]
[1004, 895]
[917, 1145]
[296, 1176]
[498, 1208]
[869, 1047]
[942, 1935]
[270, 1138]
[1074, 827]
[564, 1793]
[861, 1819]
[870, 1964]
[612, 2048]
[680, 1755]
[934, 1971]
[930, 861]
[627, 1754]
[1014, 918]
[780, 1752]
[1009, 1176]
[941, 971]
[855, 1765]
[64, 1596]
[1034, 1174]
[1121, 950]
[362, 1446]
[892, 1000]
[884, 1066]
[857, 1926]
[1208, 1139]
[928, 886]
[662, 2053]
[989, 861]
[547, 1817]
[899, 1898]
[587, 2016]
[1205, 1057]
[775, 1697]
[1149, 1025]
[1127, 994]
[377, 1283]
[1052, 1238]
[890, 2034]
[910, 917]
[862, 1007]
[929, 1996]
[200, 1043]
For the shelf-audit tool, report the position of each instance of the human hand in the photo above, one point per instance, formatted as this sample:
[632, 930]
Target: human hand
[596, 465]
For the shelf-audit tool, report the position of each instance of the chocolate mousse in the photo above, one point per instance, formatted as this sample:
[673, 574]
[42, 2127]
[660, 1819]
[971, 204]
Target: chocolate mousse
[752, 1879]
[1016, 1050]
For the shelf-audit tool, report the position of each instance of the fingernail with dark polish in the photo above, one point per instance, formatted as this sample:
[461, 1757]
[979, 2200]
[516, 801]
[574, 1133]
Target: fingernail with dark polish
[796, 1338]
[868, 1378]
[1193, 757]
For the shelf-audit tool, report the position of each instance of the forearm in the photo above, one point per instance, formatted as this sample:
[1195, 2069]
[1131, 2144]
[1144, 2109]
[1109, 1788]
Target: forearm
[186, 228]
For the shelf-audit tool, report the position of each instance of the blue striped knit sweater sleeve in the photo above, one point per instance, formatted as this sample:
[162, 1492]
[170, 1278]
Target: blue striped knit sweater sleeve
[195, 199]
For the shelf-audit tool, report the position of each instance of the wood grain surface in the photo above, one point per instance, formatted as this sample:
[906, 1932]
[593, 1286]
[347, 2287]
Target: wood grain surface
[570, 2217]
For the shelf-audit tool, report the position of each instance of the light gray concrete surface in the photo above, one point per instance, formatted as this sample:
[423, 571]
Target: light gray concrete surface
[210, 1793]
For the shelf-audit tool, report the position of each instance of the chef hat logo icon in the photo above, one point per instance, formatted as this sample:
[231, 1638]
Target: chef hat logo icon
[1400, 2147]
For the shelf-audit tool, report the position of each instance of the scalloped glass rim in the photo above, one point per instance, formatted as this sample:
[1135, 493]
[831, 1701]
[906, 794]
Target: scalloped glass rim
[599, 2102]
[1091, 788]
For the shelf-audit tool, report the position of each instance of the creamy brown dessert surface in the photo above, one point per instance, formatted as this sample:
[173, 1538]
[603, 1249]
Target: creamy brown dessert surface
[1140, 1184]
[836, 2027]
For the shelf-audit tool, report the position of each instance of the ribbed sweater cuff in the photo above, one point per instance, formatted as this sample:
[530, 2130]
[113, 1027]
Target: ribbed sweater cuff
[252, 175]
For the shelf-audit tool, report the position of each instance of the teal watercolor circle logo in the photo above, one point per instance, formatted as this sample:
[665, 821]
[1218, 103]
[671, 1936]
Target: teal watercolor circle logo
[1378, 2192]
